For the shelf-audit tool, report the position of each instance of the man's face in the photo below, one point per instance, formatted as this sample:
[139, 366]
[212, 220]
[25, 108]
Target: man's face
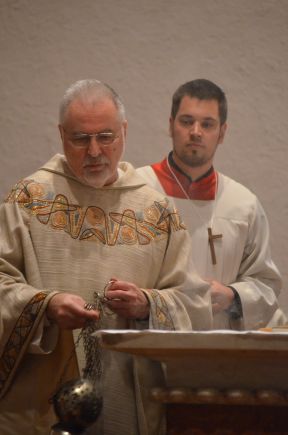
[94, 164]
[196, 133]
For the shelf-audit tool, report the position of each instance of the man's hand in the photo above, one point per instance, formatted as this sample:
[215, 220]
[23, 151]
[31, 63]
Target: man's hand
[221, 296]
[127, 300]
[67, 310]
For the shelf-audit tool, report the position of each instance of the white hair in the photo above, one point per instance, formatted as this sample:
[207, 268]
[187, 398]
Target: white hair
[91, 91]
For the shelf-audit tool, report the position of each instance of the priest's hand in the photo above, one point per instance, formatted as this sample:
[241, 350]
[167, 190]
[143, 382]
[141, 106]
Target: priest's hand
[127, 300]
[68, 312]
[221, 296]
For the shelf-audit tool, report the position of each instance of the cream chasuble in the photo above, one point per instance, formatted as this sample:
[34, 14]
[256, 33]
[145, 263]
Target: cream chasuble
[242, 253]
[59, 235]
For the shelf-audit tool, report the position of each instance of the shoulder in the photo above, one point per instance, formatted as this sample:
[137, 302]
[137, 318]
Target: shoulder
[144, 179]
[32, 190]
[236, 190]
[38, 184]
[24, 190]
[153, 201]
[145, 170]
[153, 196]
[147, 174]
[236, 200]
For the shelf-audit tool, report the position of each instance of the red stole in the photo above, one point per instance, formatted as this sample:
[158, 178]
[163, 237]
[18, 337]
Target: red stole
[204, 189]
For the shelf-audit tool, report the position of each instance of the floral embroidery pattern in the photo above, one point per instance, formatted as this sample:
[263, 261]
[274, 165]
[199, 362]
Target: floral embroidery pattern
[18, 337]
[92, 223]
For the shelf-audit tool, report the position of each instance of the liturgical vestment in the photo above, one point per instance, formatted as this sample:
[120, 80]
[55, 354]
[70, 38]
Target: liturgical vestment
[243, 258]
[60, 235]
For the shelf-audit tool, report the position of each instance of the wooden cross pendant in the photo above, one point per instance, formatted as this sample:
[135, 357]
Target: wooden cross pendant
[211, 238]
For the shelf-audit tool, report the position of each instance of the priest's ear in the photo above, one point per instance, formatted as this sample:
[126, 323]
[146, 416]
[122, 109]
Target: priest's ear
[222, 132]
[60, 128]
[124, 128]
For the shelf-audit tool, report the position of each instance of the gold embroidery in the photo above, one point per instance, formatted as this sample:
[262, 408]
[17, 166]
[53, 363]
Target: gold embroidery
[128, 235]
[59, 220]
[36, 190]
[95, 216]
[18, 337]
[150, 213]
[162, 314]
[91, 223]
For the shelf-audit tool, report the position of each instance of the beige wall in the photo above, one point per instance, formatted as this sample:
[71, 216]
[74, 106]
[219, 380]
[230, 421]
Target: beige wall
[145, 49]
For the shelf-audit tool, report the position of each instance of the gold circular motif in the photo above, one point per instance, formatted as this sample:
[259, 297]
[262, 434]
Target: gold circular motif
[94, 215]
[128, 234]
[59, 219]
[36, 190]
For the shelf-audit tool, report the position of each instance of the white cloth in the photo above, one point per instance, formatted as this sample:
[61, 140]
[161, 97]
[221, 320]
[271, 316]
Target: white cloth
[60, 235]
[243, 252]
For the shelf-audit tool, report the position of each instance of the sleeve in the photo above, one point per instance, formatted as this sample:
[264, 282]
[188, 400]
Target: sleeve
[259, 282]
[23, 301]
[235, 310]
[181, 299]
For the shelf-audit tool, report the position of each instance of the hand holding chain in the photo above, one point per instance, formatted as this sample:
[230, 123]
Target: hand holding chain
[78, 403]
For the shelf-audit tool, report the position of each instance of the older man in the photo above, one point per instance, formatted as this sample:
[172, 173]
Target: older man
[229, 228]
[83, 230]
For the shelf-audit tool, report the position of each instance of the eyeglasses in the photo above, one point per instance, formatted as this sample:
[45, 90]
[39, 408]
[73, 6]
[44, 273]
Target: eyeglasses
[82, 140]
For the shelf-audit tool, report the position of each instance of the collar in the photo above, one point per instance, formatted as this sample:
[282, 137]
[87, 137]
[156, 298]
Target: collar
[175, 166]
[204, 188]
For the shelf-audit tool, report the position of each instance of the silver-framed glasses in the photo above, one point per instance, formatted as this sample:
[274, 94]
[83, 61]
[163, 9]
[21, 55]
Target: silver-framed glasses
[83, 140]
